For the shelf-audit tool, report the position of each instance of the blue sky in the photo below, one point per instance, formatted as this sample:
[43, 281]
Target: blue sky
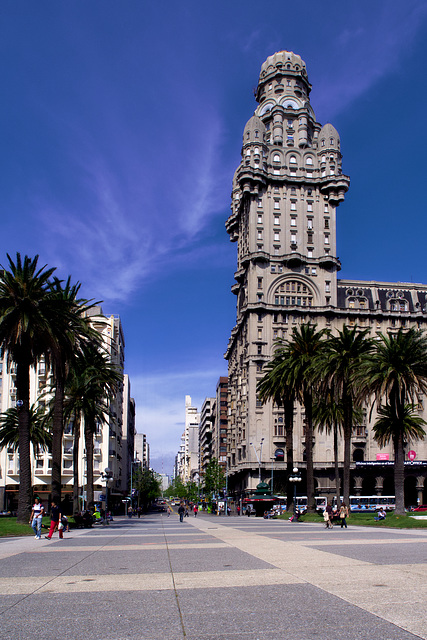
[121, 125]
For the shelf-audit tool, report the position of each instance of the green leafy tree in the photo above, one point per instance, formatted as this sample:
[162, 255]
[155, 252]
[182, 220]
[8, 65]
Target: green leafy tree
[148, 485]
[192, 491]
[214, 478]
[177, 489]
[396, 371]
[25, 336]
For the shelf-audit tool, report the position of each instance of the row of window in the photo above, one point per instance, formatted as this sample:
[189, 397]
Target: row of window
[260, 236]
[299, 301]
[294, 219]
[292, 159]
[293, 202]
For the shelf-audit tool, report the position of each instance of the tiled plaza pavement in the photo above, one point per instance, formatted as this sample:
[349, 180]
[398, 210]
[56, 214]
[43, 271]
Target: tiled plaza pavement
[213, 578]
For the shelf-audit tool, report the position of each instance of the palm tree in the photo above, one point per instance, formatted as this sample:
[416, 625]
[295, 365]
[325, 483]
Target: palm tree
[328, 415]
[40, 435]
[25, 336]
[399, 429]
[396, 371]
[73, 408]
[288, 375]
[274, 386]
[92, 382]
[336, 366]
[70, 327]
[306, 344]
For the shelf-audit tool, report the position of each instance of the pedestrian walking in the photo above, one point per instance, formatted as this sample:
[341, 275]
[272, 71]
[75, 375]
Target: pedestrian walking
[169, 511]
[343, 515]
[181, 511]
[238, 509]
[195, 509]
[65, 524]
[36, 518]
[327, 516]
[55, 517]
[248, 510]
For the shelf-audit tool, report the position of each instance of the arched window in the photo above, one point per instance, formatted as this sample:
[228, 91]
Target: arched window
[292, 160]
[293, 293]
[309, 161]
[276, 157]
[357, 302]
[267, 107]
[358, 455]
[398, 304]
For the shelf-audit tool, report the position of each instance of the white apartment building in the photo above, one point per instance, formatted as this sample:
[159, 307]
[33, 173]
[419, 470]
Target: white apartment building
[109, 449]
[187, 460]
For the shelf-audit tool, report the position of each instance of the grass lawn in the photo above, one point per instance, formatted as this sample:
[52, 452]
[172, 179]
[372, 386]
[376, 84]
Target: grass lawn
[367, 520]
[9, 527]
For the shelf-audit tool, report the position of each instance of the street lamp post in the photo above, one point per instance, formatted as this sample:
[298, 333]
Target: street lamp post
[272, 474]
[295, 478]
[107, 476]
[258, 458]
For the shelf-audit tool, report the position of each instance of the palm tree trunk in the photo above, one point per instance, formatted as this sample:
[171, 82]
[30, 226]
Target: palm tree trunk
[336, 465]
[399, 473]
[308, 406]
[25, 487]
[289, 429]
[76, 441]
[89, 431]
[57, 434]
[347, 429]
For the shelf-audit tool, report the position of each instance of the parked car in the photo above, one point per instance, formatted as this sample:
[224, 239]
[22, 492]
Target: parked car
[421, 507]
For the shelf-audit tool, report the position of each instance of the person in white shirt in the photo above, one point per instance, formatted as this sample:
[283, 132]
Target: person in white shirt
[36, 518]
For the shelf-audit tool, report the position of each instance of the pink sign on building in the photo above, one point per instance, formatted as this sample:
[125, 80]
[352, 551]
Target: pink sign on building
[383, 456]
[412, 455]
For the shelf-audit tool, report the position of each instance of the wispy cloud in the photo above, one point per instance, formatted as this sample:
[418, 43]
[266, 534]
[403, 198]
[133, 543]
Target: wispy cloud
[118, 234]
[162, 397]
[362, 55]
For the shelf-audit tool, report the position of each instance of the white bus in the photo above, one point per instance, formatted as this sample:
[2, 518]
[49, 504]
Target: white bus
[319, 500]
[364, 504]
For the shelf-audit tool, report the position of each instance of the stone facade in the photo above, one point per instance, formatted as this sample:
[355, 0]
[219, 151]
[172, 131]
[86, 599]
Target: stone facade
[285, 195]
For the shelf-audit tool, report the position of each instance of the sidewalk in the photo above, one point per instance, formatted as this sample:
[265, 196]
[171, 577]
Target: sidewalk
[215, 578]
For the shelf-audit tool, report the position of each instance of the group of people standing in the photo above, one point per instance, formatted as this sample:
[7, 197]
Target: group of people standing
[57, 520]
[184, 512]
[329, 515]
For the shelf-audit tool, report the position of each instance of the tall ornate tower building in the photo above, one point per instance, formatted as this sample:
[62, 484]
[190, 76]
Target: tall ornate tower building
[286, 191]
